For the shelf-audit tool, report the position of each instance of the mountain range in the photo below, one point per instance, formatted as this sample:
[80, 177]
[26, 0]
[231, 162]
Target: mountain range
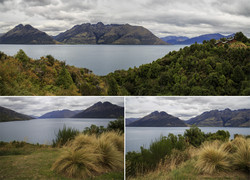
[25, 35]
[224, 118]
[10, 115]
[199, 39]
[98, 110]
[213, 118]
[60, 114]
[84, 34]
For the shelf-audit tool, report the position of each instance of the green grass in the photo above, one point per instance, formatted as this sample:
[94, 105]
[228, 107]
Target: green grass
[35, 162]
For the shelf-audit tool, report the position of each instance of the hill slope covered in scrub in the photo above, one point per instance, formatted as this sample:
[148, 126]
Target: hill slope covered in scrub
[200, 69]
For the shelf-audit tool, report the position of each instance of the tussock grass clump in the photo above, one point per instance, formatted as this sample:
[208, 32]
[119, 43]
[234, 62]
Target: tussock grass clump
[115, 138]
[241, 158]
[90, 155]
[82, 141]
[81, 163]
[212, 159]
[111, 158]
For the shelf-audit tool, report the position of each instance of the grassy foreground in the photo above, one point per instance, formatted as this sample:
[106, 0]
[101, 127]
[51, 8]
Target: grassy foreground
[28, 161]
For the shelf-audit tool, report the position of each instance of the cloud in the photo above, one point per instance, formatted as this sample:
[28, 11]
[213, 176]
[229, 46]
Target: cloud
[182, 107]
[162, 17]
[40, 105]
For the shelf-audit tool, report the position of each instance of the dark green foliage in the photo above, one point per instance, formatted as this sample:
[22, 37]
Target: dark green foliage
[239, 36]
[219, 135]
[148, 159]
[194, 136]
[113, 87]
[64, 135]
[201, 69]
[93, 129]
[64, 79]
[116, 125]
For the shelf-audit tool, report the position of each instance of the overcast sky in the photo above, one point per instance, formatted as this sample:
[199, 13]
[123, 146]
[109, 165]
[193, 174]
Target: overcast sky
[162, 17]
[183, 107]
[39, 105]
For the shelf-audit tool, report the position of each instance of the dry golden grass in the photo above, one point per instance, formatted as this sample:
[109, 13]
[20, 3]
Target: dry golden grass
[241, 158]
[111, 158]
[212, 158]
[88, 155]
[81, 164]
[82, 141]
[115, 138]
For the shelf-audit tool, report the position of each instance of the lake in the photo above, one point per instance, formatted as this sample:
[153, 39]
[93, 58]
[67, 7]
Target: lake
[101, 59]
[143, 136]
[43, 131]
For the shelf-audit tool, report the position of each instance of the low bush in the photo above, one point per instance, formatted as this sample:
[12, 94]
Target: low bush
[64, 135]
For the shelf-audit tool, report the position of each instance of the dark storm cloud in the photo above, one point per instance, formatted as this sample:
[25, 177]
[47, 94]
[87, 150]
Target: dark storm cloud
[162, 17]
[41, 105]
[182, 107]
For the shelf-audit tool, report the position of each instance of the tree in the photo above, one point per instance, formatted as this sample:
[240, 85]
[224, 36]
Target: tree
[113, 86]
[21, 56]
[64, 79]
[239, 36]
[238, 74]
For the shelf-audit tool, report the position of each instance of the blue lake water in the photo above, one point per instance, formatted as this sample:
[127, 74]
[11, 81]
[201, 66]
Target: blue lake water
[43, 130]
[101, 59]
[143, 136]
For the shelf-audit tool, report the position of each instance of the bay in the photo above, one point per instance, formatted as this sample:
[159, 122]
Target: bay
[43, 131]
[101, 59]
[143, 136]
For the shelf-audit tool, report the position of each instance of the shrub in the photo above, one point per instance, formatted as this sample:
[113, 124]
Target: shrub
[64, 135]
[219, 135]
[79, 164]
[93, 129]
[116, 125]
[194, 136]
[212, 159]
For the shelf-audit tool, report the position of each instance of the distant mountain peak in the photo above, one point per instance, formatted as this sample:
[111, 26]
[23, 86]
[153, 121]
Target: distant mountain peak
[158, 119]
[101, 110]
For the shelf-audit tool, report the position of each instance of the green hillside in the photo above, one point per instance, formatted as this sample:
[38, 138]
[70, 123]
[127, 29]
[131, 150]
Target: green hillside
[200, 69]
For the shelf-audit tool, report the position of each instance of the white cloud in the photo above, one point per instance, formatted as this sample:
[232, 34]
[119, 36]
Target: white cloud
[39, 105]
[183, 107]
[178, 17]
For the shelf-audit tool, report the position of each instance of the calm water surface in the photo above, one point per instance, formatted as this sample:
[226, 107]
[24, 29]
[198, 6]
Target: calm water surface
[43, 130]
[143, 136]
[101, 59]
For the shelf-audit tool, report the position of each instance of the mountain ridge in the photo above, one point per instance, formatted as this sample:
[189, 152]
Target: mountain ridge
[25, 34]
[222, 118]
[158, 119]
[101, 110]
[7, 114]
[65, 113]
[199, 39]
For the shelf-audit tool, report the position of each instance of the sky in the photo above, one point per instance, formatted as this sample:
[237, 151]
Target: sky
[39, 105]
[181, 106]
[162, 17]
